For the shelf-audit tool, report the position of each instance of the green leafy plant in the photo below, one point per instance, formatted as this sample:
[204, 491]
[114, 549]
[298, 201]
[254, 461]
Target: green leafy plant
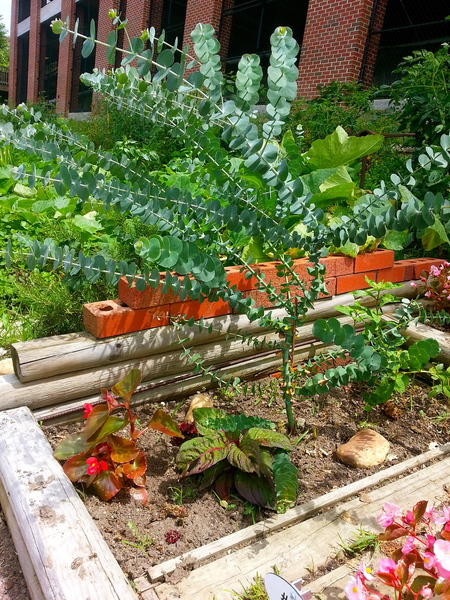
[422, 94]
[361, 541]
[143, 541]
[106, 462]
[375, 353]
[235, 451]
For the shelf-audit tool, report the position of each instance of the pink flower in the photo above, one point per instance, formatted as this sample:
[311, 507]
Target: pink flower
[413, 284]
[428, 294]
[442, 517]
[408, 518]
[95, 467]
[409, 545]
[426, 592]
[88, 408]
[354, 590]
[430, 540]
[387, 566]
[390, 511]
[442, 553]
[429, 560]
[435, 271]
[364, 573]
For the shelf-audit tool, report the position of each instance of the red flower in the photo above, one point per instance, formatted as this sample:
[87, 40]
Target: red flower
[95, 467]
[88, 408]
[172, 536]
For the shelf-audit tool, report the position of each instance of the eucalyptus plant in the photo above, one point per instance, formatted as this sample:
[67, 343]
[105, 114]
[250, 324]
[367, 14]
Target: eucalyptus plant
[254, 187]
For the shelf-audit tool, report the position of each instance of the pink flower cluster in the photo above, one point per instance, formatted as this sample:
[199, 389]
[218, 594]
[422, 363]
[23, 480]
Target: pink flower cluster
[420, 567]
[435, 284]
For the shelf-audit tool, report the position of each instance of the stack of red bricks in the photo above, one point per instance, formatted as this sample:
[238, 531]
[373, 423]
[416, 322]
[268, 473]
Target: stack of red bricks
[135, 310]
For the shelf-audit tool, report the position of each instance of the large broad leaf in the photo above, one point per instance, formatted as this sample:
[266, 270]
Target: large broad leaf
[122, 449]
[395, 240]
[136, 468]
[254, 251]
[286, 482]
[339, 149]
[71, 445]
[163, 422]
[256, 490]
[240, 460]
[211, 474]
[224, 484]
[198, 454]
[434, 236]
[128, 385]
[392, 532]
[213, 418]
[271, 439]
[106, 485]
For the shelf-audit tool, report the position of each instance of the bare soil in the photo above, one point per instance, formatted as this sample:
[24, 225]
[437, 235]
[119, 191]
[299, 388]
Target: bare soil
[137, 534]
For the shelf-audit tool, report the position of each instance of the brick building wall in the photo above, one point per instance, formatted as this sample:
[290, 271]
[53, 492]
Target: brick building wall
[333, 44]
[334, 41]
[13, 52]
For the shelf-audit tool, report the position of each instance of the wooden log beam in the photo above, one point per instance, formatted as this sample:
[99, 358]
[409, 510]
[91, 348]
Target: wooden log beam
[47, 357]
[185, 384]
[66, 557]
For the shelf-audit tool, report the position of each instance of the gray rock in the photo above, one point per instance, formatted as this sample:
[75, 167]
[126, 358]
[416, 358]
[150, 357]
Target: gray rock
[365, 449]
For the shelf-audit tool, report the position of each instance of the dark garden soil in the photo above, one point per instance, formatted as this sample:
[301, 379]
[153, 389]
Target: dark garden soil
[137, 535]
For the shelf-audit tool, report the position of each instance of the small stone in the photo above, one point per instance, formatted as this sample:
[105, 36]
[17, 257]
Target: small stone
[365, 449]
[6, 366]
[197, 401]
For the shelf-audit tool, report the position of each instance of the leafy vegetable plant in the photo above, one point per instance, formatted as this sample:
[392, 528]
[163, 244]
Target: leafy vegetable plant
[244, 453]
[104, 461]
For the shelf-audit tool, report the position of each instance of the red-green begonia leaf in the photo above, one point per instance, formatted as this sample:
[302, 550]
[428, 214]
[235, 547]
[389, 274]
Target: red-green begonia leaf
[111, 425]
[211, 474]
[256, 490]
[419, 510]
[76, 468]
[163, 422]
[392, 533]
[122, 449]
[106, 485]
[128, 384]
[96, 420]
[136, 468]
[71, 445]
[109, 399]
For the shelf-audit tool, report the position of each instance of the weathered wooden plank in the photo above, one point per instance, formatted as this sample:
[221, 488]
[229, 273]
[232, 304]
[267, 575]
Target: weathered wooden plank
[28, 571]
[294, 515]
[47, 357]
[163, 388]
[68, 555]
[310, 543]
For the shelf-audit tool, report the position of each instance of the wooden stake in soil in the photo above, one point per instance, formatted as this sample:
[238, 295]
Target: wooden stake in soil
[66, 558]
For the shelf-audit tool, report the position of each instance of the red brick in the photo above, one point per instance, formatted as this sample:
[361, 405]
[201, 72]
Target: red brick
[395, 274]
[134, 298]
[339, 265]
[197, 310]
[380, 259]
[350, 283]
[111, 317]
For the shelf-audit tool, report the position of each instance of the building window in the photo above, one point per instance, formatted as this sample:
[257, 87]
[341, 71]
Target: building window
[23, 48]
[81, 95]
[24, 10]
[48, 65]
[172, 21]
[246, 26]
[45, 2]
[409, 25]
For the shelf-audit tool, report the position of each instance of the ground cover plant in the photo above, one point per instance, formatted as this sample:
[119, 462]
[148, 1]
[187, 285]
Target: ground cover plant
[257, 194]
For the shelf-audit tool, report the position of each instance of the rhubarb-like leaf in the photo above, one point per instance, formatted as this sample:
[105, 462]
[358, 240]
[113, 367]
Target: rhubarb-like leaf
[71, 445]
[198, 454]
[211, 474]
[163, 422]
[286, 482]
[122, 449]
[127, 386]
[224, 485]
[213, 418]
[256, 490]
[271, 439]
[238, 459]
[135, 468]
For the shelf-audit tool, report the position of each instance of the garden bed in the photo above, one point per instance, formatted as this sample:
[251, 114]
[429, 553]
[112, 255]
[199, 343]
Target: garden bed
[412, 423]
